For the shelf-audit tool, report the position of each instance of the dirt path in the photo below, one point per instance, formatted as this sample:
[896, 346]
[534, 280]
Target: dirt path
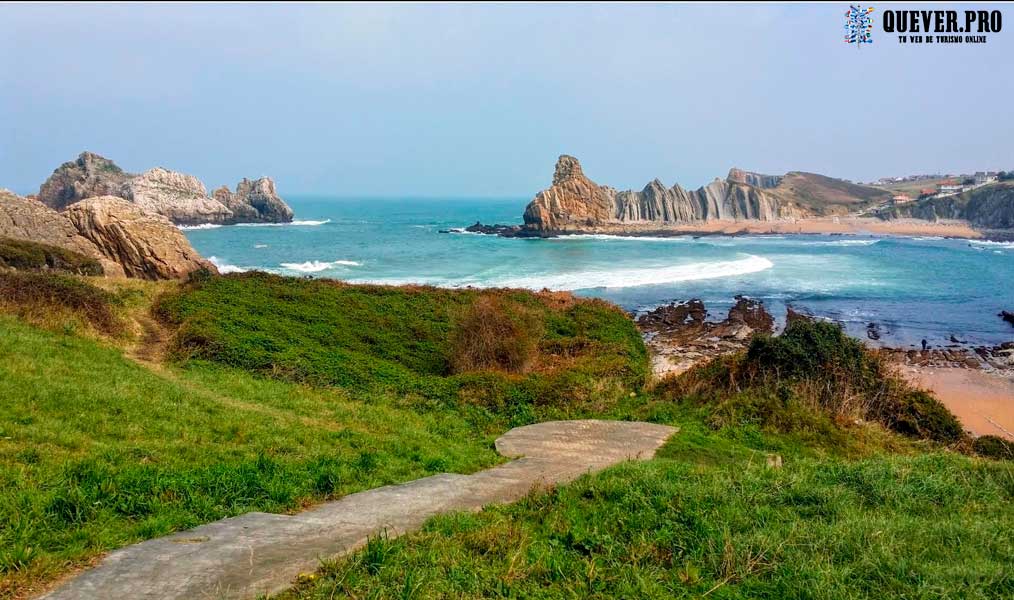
[261, 553]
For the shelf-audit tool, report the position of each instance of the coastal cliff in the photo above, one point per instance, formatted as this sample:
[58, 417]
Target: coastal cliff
[988, 208]
[181, 198]
[575, 203]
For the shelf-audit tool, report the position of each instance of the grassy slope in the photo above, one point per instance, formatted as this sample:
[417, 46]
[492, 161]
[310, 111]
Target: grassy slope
[709, 519]
[97, 452]
[370, 339]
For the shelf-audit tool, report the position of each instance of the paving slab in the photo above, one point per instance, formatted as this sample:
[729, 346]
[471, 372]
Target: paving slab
[260, 553]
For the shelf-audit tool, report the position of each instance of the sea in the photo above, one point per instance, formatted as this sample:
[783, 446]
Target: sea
[913, 288]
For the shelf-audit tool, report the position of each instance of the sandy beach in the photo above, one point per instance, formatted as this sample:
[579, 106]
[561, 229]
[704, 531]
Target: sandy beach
[983, 402]
[821, 225]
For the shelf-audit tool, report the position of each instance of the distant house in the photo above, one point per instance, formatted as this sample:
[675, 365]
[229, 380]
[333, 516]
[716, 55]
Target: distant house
[927, 192]
[949, 187]
[983, 177]
[903, 198]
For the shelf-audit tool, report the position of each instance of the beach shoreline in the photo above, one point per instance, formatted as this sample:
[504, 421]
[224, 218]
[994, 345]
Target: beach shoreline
[983, 401]
[815, 226]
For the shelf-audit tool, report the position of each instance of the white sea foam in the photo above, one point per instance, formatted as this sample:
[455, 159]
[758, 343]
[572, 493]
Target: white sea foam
[260, 245]
[296, 223]
[314, 266]
[989, 244]
[599, 278]
[462, 230]
[201, 226]
[619, 278]
[224, 267]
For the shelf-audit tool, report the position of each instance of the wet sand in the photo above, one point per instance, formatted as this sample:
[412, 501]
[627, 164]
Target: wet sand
[983, 402]
[822, 225]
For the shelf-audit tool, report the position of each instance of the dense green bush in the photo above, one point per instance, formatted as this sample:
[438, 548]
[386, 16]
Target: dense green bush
[33, 256]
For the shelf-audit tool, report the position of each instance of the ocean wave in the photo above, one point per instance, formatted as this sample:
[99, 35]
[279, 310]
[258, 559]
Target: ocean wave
[622, 238]
[314, 266]
[224, 267]
[990, 244]
[620, 278]
[201, 226]
[296, 223]
[462, 230]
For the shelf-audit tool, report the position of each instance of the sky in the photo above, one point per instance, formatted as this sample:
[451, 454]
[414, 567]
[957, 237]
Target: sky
[477, 100]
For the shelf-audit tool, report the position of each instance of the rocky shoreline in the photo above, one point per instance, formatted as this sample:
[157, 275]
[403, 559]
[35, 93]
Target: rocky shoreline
[680, 336]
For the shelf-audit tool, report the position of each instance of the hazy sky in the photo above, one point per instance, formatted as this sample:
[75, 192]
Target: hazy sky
[467, 100]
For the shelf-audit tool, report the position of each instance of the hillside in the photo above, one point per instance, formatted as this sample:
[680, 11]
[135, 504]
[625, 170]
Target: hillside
[821, 195]
[134, 409]
[990, 207]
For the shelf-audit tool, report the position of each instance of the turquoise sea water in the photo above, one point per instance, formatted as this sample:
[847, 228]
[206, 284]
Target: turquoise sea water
[915, 288]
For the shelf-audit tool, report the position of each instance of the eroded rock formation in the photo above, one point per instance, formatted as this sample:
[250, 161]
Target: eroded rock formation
[30, 220]
[89, 175]
[146, 245]
[181, 198]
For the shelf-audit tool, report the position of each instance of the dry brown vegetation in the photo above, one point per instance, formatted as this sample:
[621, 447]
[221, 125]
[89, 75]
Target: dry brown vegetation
[492, 333]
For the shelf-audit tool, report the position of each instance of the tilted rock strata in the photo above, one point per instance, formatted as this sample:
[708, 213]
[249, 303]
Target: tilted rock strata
[32, 221]
[146, 245]
[575, 203]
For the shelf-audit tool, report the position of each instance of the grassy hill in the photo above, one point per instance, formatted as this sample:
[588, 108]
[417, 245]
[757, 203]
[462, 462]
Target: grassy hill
[135, 409]
[826, 195]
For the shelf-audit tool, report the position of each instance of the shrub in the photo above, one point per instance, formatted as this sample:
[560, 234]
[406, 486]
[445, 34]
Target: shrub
[33, 256]
[37, 294]
[816, 364]
[490, 334]
[992, 446]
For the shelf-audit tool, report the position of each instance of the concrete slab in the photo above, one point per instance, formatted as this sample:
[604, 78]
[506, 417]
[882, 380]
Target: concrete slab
[260, 553]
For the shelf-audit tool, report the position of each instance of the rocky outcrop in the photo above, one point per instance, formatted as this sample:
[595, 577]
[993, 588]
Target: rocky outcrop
[254, 202]
[181, 198]
[89, 175]
[32, 221]
[754, 179]
[146, 245]
[575, 203]
[680, 336]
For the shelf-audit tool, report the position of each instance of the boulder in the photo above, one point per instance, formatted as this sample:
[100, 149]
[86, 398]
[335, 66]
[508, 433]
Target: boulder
[89, 175]
[32, 221]
[146, 245]
[1007, 316]
[179, 197]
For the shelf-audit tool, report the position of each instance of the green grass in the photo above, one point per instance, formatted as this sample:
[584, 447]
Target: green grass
[97, 452]
[370, 339]
[708, 518]
[284, 392]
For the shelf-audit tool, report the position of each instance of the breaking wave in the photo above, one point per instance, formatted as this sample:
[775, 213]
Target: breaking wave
[224, 267]
[314, 266]
[296, 223]
[201, 226]
[638, 276]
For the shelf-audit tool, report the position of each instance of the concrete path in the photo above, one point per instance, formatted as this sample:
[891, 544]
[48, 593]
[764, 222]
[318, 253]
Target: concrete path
[261, 553]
